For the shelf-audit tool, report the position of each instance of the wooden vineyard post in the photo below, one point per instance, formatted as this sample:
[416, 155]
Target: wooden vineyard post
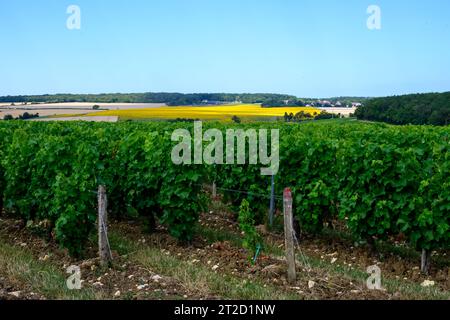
[289, 235]
[272, 201]
[425, 262]
[214, 190]
[103, 242]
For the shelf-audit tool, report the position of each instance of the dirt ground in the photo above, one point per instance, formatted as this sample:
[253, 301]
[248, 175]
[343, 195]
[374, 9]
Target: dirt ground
[342, 252]
[130, 280]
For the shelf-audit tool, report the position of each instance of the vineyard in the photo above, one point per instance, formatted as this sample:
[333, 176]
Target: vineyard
[376, 182]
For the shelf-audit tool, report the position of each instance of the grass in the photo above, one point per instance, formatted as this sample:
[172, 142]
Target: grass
[408, 290]
[384, 248]
[213, 235]
[196, 278]
[21, 268]
[199, 279]
[223, 113]
[202, 279]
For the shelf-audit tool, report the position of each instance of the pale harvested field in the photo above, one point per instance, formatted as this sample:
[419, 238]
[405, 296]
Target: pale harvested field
[344, 111]
[44, 113]
[72, 108]
[84, 106]
[89, 119]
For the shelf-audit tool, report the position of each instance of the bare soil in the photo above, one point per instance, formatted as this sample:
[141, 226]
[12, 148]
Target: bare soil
[128, 280]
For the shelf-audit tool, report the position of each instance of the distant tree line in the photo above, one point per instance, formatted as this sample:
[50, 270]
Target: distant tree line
[320, 103]
[418, 109]
[171, 99]
[302, 116]
[279, 102]
[180, 99]
[24, 116]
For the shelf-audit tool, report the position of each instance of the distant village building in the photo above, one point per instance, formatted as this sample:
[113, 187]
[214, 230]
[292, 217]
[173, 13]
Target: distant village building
[325, 103]
[208, 102]
[356, 104]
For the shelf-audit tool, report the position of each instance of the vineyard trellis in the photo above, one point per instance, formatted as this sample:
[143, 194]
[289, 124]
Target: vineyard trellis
[379, 180]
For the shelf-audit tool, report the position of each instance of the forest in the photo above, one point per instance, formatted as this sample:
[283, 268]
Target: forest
[417, 109]
[172, 99]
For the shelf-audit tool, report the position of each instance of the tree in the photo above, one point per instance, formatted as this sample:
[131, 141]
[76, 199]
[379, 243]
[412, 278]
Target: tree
[236, 119]
[324, 116]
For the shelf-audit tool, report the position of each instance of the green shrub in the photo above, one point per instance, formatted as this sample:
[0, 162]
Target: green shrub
[247, 225]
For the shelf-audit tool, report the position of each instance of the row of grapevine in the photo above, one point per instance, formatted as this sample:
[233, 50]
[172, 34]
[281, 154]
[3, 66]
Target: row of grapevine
[378, 179]
[50, 173]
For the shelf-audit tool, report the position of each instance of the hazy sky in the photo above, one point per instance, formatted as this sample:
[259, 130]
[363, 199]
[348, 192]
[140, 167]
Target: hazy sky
[309, 48]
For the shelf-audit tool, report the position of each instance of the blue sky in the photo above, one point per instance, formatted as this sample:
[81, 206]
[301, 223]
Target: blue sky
[309, 48]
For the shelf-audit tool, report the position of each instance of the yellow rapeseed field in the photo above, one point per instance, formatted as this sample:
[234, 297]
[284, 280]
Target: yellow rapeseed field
[223, 113]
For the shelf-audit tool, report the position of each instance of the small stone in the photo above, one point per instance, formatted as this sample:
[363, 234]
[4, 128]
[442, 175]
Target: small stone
[333, 260]
[214, 268]
[427, 283]
[156, 278]
[262, 229]
[117, 294]
[272, 269]
[15, 294]
[44, 258]
[311, 284]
